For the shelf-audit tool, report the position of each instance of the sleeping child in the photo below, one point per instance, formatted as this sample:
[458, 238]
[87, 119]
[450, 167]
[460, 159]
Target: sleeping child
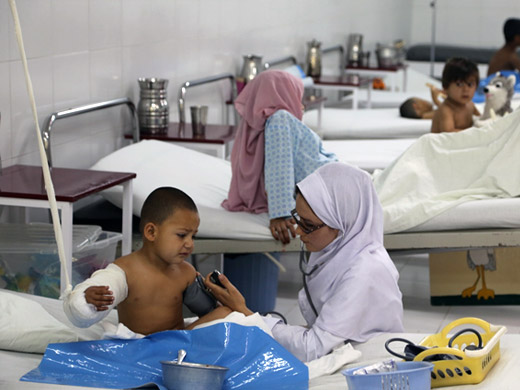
[150, 285]
[417, 108]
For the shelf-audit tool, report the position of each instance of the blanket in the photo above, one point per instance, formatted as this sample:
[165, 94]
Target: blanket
[440, 171]
[255, 360]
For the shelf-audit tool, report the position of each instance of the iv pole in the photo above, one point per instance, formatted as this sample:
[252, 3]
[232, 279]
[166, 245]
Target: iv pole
[432, 47]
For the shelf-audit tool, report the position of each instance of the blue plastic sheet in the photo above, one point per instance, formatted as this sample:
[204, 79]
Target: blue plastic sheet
[480, 96]
[255, 360]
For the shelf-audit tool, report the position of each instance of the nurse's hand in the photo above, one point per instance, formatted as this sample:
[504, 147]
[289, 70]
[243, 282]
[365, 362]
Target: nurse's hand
[282, 229]
[229, 295]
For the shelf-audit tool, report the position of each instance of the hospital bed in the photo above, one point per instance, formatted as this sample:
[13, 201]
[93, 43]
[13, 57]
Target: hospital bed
[237, 232]
[206, 179]
[48, 318]
[379, 123]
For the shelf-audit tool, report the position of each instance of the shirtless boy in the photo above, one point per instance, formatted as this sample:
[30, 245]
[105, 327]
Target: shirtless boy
[506, 57]
[460, 80]
[147, 285]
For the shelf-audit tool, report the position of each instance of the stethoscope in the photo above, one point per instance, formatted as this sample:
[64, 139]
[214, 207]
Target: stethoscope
[303, 263]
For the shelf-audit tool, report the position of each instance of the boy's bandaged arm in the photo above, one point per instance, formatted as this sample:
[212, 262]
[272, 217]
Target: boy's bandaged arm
[83, 314]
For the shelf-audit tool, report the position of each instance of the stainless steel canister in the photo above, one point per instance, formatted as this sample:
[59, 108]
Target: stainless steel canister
[354, 49]
[251, 67]
[153, 109]
[313, 61]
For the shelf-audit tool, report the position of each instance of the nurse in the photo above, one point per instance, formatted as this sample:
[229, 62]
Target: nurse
[351, 289]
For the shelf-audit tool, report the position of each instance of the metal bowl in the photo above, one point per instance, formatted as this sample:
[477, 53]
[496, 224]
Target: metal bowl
[192, 376]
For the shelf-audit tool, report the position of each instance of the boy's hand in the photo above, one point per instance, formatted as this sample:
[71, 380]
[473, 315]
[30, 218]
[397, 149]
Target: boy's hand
[99, 296]
[229, 295]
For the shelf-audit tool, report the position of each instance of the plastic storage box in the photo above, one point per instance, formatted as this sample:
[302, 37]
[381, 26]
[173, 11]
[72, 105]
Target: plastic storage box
[408, 376]
[256, 277]
[29, 259]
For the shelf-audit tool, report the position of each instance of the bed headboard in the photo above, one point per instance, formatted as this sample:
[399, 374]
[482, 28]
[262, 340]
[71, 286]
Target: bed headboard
[49, 122]
[445, 52]
[206, 80]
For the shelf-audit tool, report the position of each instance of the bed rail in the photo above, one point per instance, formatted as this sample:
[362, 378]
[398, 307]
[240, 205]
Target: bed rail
[340, 49]
[49, 122]
[278, 61]
[396, 243]
[206, 80]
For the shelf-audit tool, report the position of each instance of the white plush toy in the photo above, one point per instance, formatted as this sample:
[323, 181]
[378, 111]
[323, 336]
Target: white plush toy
[499, 93]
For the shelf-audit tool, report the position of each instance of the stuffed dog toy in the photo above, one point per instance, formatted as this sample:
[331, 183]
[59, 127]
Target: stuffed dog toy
[499, 93]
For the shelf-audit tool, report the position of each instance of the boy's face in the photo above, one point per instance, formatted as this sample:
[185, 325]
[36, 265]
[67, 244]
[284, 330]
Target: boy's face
[462, 91]
[173, 238]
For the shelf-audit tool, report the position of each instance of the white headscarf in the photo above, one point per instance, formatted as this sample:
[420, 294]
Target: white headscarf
[354, 286]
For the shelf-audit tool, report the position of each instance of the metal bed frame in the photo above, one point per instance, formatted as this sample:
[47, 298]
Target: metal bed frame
[406, 242]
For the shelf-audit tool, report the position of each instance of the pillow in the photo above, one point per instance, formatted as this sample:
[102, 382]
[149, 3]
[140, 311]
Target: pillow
[25, 326]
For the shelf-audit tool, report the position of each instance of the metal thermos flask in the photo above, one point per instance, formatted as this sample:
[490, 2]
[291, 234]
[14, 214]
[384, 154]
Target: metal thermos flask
[354, 49]
[251, 67]
[153, 109]
[313, 58]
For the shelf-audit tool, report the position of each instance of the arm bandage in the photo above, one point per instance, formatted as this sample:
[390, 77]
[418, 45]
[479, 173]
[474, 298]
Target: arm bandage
[83, 314]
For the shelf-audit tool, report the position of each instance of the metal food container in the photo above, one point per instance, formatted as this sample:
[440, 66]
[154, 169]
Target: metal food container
[192, 376]
[153, 109]
[386, 56]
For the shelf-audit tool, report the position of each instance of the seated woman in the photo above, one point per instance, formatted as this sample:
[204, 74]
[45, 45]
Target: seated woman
[351, 291]
[273, 150]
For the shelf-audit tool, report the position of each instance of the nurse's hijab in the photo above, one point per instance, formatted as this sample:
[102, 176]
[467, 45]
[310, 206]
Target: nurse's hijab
[354, 283]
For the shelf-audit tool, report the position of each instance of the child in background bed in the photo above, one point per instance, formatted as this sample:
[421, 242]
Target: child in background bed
[148, 285]
[506, 58]
[460, 80]
[417, 108]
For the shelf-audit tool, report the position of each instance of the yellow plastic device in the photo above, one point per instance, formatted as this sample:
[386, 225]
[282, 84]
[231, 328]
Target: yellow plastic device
[474, 364]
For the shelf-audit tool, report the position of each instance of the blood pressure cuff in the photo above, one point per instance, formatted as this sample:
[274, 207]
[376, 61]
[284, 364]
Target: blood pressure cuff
[198, 299]
[255, 360]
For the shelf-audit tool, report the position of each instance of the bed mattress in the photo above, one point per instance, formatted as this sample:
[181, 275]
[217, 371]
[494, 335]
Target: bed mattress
[206, 179]
[368, 154]
[337, 123]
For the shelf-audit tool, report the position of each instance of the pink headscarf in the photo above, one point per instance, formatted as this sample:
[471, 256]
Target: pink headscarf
[267, 93]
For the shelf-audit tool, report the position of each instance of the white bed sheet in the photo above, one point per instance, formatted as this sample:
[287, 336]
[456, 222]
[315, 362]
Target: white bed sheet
[206, 179]
[385, 123]
[340, 123]
[368, 154]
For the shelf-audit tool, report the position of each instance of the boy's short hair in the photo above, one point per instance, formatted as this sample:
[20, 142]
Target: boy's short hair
[162, 203]
[458, 69]
[511, 28]
[407, 109]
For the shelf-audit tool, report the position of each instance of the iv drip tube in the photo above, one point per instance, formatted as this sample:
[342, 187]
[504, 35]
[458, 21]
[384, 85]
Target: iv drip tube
[45, 165]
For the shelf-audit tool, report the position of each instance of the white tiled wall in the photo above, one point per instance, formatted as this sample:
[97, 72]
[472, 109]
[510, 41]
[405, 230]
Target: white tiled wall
[476, 23]
[84, 51]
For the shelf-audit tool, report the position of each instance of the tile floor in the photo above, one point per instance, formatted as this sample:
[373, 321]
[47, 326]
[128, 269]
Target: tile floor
[419, 315]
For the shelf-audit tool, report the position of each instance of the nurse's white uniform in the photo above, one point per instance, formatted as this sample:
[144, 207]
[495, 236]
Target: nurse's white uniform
[354, 283]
